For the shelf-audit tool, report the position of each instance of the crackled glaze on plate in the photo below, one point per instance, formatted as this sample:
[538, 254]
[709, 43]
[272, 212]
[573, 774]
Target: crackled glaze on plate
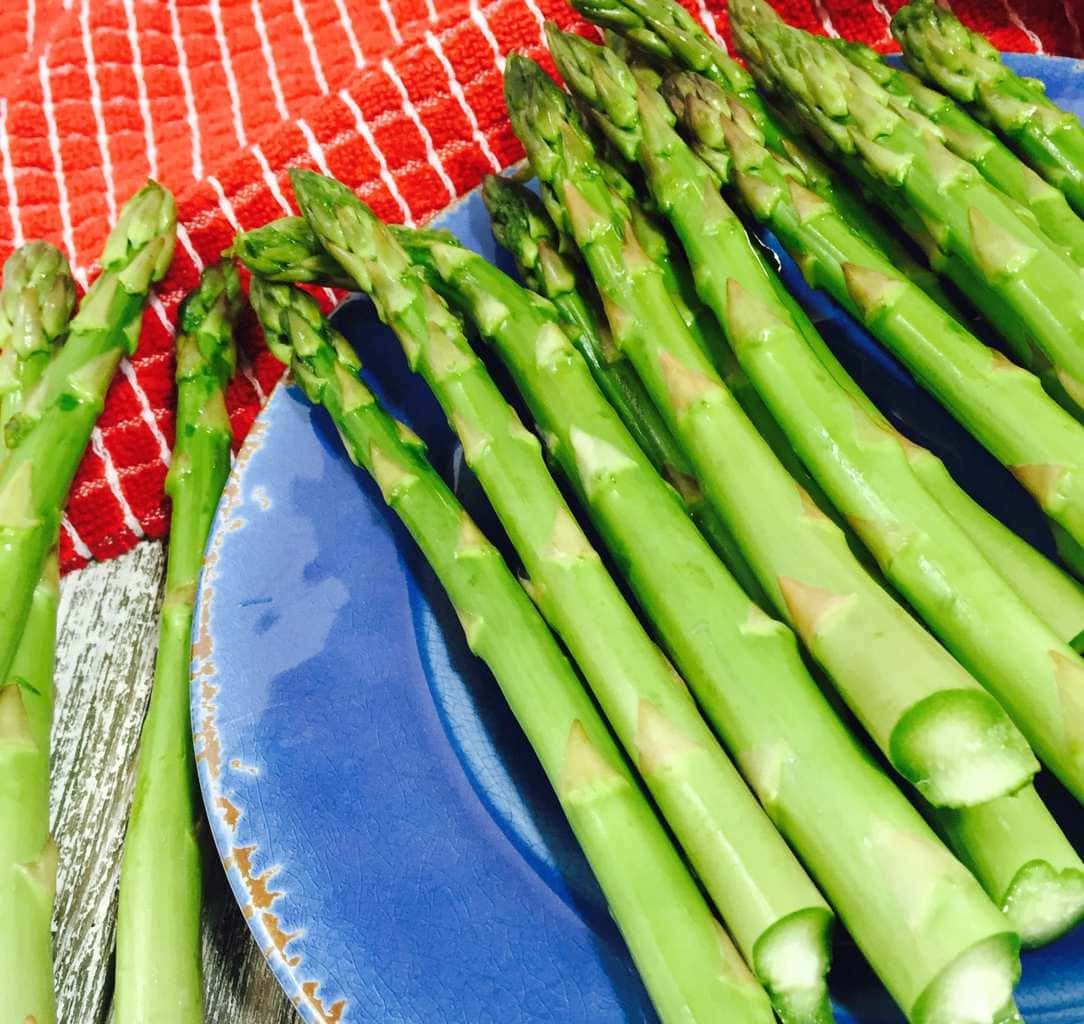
[390, 839]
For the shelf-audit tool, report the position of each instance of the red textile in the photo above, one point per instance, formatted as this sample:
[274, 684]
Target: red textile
[401, 99]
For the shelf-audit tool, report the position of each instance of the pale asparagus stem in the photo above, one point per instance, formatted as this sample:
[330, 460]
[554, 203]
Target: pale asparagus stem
[867, 847]
[690, 968]
[35, 307]
[966, 216]
[966, 66]
[522, 225]
[53, 426]
[819, 570]
[774, 913]
[1002, 405]
[159, 978]
[1024, 861]
[979, 146]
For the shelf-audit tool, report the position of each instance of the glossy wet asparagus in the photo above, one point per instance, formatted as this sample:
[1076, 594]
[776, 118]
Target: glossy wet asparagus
[841, 826]
[160, 978]
[35, 306]
[690, 968]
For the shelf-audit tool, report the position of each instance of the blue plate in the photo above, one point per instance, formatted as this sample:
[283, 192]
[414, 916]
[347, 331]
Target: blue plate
[388, 835]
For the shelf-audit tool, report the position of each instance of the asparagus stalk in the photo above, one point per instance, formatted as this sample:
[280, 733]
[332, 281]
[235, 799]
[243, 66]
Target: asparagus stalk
[739, 663]
[666, 31]
[964, 64]
[1013, 844]
[803, 562]
[976, 144]
[522, 226]
[160, 878]
[864, 468]
[53, 426]
[1001, 404]
[964, 214]
[744, 864]
[1024, 861]
[690, 967]
[35, 305]
[287, 250]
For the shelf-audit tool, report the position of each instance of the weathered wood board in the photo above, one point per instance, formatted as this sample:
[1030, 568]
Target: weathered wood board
[105, 662]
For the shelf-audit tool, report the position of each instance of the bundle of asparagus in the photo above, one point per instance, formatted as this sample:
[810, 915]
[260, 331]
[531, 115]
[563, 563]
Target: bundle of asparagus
[1001, 404]
[51, 401]
[962, 217]
[968, 68]
[688, 963]
[728, 463]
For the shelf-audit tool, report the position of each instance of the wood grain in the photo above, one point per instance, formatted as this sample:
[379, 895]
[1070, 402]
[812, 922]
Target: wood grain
[105, 662]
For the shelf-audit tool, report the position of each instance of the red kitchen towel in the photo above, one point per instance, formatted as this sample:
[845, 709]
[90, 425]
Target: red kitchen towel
[401, 99]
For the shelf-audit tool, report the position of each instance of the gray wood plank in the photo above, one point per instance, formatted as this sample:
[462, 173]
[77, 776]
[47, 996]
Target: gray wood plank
[105, 661]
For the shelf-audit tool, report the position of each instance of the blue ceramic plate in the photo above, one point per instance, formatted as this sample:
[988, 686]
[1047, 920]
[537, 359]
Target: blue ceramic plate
[387, 833]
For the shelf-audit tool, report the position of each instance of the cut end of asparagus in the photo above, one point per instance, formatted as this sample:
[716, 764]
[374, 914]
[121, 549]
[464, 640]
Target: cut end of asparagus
[976, 989]
[1042, 904]
[959, 749]
[791, 960]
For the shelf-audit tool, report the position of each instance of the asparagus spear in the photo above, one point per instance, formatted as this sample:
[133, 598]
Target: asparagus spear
[1024, 861]
[863, 467]
[798, 756]
[968, 68]
[53, 426]
[666, 31]
[35, 305]
[783, 552]
[745, 865]
[976, 144]
[287, 246]
[522, 226]
[965, 215]
[160, 878]
[1001, 404]
[690, 967]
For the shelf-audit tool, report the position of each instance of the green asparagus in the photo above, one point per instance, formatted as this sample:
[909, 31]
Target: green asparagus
[160, 880]
[287, 246]
[1024, 861]
[741, 663]
[899, 686]
[746, 867]
[690, 968]
[522, 226]
[1001, 404]
[965, 216]
[864, 469]
[976, 144]
[666, 31]
[54, 425]
[35, 306]
[1029, 870]
[969, 68]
